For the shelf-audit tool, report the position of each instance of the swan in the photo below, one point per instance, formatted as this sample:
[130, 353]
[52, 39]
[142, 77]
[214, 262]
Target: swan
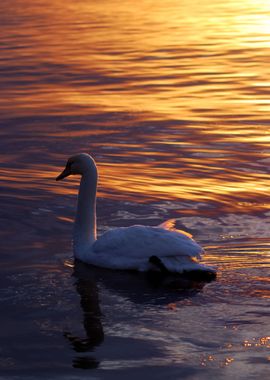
[141, 248]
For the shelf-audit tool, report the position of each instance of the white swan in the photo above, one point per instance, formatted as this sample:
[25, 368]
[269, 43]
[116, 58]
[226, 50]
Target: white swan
[141, 248]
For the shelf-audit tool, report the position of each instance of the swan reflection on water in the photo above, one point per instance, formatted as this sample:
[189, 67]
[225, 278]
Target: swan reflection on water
[139, 288]
[86, 287]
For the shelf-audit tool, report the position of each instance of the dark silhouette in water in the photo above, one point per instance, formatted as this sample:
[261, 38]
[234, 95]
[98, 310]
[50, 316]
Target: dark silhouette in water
[87, 289]
[159, 288]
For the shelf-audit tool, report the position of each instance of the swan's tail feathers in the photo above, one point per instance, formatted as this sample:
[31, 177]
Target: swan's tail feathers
[184, 266]
[206, 275]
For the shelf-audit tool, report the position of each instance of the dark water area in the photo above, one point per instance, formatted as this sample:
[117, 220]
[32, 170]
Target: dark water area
[172, 101]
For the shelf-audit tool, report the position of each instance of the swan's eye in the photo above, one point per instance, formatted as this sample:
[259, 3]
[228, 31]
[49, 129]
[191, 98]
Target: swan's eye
[69, 165]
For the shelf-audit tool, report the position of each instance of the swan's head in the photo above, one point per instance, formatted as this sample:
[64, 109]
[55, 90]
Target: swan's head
[78, 164]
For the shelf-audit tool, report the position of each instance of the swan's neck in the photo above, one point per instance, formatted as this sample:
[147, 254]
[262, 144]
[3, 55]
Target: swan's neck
[85, 221]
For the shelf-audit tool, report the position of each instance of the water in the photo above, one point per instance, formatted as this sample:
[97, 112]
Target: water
[172, 100]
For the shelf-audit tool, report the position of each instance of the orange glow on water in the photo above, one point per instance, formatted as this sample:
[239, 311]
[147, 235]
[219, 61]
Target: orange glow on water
[170, 182]
[200, 70]
[156, 62]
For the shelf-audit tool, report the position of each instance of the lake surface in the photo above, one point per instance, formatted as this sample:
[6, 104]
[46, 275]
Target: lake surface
[172, 100]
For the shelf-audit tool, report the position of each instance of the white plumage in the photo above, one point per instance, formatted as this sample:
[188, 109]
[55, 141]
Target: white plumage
[141, 248]
[131, 247]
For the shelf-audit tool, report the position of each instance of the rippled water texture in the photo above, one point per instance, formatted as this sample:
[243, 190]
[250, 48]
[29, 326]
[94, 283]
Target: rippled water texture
[172, 100]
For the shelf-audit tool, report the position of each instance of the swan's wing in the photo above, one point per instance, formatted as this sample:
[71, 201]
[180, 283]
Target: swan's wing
[170, 225]
[142, 242]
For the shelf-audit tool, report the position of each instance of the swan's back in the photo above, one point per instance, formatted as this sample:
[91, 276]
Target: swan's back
[144, 241]
[146, 248]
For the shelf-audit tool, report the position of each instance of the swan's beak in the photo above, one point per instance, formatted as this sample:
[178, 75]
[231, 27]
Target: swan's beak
[65, 173]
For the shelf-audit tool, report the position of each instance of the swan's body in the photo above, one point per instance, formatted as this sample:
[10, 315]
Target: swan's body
[141, 248]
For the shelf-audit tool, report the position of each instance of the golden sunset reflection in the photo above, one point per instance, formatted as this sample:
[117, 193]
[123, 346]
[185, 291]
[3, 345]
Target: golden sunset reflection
[155, 63]
[152, 179]
[171, 183]
[194, 74]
